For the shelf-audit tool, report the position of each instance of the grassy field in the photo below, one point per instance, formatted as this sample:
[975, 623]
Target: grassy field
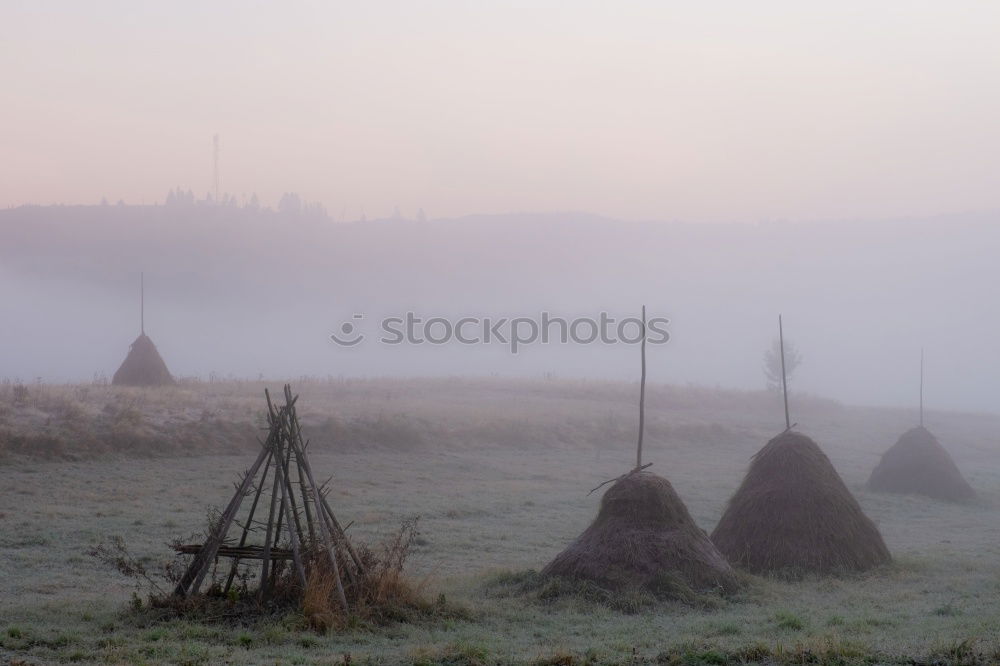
[498, 472]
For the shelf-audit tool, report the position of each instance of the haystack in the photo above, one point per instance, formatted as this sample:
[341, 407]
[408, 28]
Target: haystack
[643, 535]
[793, 514]
[917, 463]
[143, 366]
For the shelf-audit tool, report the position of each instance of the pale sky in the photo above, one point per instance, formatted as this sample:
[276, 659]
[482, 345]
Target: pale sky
[643, 110]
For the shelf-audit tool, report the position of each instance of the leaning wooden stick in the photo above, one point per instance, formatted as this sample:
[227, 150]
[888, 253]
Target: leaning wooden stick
[293, 531]
[324, 532]
[784, 379]
[195, 573]
[618, 478]
[272, 514]
[246, 527]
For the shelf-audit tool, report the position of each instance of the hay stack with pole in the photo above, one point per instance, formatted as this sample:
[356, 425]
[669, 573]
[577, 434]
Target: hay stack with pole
[143, 366]
[643, 536]
[794, 514]
[918, 464]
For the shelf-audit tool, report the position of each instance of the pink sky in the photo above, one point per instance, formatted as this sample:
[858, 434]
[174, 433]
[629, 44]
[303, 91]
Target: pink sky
[698, 111]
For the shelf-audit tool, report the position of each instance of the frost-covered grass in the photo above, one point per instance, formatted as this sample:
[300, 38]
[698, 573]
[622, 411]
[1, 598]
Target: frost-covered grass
[491, 512]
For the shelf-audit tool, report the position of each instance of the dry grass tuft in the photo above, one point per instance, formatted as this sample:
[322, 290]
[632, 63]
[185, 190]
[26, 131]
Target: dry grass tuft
[317, 599]
[385, 594]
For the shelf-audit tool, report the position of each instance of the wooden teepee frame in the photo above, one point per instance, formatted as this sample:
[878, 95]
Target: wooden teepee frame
[299, 525]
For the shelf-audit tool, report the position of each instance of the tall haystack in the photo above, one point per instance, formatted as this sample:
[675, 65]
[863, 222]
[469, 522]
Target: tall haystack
[643, 535]
[793, 514]
[918, 464]
[143, 366]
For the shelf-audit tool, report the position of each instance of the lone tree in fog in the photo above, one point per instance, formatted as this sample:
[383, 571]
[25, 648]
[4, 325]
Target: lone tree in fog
[772, 363]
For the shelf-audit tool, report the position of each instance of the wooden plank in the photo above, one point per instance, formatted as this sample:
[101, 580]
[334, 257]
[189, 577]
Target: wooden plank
[237, 552]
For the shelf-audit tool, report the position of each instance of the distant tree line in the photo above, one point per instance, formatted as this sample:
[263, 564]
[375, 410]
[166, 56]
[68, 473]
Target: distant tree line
[290, 204]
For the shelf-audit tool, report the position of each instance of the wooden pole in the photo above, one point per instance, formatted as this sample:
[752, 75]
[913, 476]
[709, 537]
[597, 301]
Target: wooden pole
[305, 500]
[247, 526]
[784, 379]
[289, 428]
[324, 532]
[342, 535]
[286, 507]
[289, 493]
[337, 531]
[921, 387]
[642, 393]
[269, 535]
[199, 566]
[273, 440]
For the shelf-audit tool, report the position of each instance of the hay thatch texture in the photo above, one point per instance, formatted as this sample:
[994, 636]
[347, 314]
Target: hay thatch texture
[917, 463]
[643, 533]
[143, 366]
[793, 514]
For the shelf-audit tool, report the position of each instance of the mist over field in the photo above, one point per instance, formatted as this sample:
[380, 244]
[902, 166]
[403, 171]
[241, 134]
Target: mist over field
[832, 163]
[240, 292]
[320, 334]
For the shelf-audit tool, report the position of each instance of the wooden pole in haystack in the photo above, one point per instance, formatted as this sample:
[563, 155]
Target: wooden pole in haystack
[921, 387]
[642, 393]
[642, 413]
[784, 378]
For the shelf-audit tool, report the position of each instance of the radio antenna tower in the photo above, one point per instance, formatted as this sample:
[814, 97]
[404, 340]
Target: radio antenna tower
[215, 164]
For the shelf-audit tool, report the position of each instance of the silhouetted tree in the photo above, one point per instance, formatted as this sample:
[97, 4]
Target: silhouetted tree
[772, 363]
[290, 204]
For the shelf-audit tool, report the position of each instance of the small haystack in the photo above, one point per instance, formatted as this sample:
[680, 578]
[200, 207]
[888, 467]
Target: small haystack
[143, 366]
[794, 514]
[642, 537]
[918, 464]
